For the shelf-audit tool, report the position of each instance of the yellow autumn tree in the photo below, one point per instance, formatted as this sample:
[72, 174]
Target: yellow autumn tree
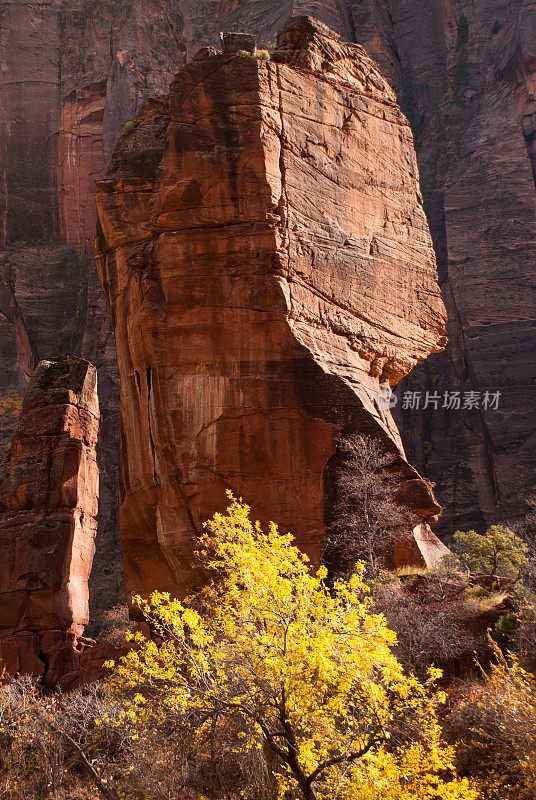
[292, 670]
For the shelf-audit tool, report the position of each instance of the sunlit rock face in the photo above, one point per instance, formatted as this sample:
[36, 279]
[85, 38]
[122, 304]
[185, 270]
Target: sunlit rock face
[266, 257]
[49, 485]
[477, 155]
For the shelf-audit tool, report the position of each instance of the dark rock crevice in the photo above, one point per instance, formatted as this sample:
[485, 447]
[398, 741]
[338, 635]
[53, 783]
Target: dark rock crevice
[149, 380]
[529, 134]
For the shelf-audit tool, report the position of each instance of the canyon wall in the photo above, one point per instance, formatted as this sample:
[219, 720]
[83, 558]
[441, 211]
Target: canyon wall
[465, 73]
[470, 92]
[269, 268]
[75, 72]
[49, 483]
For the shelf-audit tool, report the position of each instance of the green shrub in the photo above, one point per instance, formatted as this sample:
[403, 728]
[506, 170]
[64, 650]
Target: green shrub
[505, 630]
[129, 126]
[499, 552]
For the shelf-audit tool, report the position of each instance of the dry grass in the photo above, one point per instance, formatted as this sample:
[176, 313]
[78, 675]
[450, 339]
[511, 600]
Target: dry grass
[483, 604]
[412, 572]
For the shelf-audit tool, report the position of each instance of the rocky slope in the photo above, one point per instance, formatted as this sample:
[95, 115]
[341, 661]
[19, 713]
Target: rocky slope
[49, 484]
[268, 266]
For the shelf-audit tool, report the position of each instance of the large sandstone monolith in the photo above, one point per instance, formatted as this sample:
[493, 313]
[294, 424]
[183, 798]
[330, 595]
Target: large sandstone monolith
[268, 264]
[48, 504]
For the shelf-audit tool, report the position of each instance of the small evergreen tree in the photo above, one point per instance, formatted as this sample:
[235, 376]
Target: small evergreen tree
[407, 97]
[499, 552]
[463, 32]
[461, 76]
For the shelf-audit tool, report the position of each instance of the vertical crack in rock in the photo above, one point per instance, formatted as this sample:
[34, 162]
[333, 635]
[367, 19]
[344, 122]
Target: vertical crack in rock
[6, 205]
[148, 375]
[529, 134]
[283, 200]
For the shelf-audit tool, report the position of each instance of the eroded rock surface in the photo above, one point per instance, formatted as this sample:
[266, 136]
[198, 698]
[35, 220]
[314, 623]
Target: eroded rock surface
[73, 73]
[473, 107]
[48, 505]
[472, 112]
[267, 260]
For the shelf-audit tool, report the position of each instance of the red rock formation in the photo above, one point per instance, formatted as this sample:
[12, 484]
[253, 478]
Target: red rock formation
[52, 304]
[477, 161]
[73, 73]
[48, 507]
[80, 163]
[268, 264]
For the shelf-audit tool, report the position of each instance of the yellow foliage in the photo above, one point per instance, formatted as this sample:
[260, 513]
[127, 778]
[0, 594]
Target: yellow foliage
[496, 721]
[306, 668]
[10, 403]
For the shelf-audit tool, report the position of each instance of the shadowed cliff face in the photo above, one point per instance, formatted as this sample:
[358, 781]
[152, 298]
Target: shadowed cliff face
[269, 267]
[473, 115]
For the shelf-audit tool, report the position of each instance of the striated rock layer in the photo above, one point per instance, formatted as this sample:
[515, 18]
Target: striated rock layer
[472, 107]
[267, 260]
[74, 72]
[48, 505]
[478, 163]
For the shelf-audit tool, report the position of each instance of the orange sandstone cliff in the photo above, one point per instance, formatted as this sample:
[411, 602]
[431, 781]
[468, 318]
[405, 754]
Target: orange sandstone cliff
[74, 72]
[49, 484]
[264, 251]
